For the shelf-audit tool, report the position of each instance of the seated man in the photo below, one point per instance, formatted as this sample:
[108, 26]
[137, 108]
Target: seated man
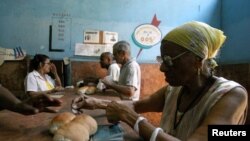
[129, 83]
[33, 105]
[107, 62]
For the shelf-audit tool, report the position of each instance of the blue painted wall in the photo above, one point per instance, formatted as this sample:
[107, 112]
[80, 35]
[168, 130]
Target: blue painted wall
[236, 25]
[26, 23]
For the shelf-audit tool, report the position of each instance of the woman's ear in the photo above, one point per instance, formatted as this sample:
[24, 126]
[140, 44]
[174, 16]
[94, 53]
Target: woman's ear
[198, 62]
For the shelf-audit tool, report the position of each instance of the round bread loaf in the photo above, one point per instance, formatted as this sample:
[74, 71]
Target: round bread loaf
[78, 129]
[87, 90]
[91, 90]
[82, 90]
[60, 120]
[88, 122]
[72, 132]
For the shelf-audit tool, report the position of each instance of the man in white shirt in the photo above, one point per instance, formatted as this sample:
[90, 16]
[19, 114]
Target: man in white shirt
[129, 83]
[107, 62]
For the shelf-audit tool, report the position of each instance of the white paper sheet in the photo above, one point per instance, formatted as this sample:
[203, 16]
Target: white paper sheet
[92, 49]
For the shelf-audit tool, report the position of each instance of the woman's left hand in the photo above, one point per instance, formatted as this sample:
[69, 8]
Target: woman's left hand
[53, 68]
[118, 111]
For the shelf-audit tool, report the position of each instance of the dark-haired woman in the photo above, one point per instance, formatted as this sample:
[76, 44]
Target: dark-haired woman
[38, 81]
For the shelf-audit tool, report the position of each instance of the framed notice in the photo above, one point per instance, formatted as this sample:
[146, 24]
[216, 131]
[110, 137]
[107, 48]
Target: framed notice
[92, 49]
[60, 33]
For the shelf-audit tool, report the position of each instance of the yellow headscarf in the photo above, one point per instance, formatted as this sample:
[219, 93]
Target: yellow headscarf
[200, 38]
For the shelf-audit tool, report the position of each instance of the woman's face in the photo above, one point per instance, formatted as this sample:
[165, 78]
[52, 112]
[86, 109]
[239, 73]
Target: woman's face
[46, 65]
[179, 64]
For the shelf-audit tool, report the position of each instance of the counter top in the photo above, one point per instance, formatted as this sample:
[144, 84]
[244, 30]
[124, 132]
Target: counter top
[18, 127]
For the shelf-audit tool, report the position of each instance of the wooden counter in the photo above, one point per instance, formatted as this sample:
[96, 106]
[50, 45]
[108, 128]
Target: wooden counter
[14, 126]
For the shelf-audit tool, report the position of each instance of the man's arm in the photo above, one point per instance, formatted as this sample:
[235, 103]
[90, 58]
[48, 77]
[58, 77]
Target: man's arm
[128, 83]
[33, 93]
[7, 99]
[125, 90]
[32, 105]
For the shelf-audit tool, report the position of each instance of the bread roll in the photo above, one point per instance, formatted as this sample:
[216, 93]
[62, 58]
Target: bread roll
[72, 132]
[86, 90]
[89, 123]
[82, 90]
[91, 90]
[78, 129]
[60, 120]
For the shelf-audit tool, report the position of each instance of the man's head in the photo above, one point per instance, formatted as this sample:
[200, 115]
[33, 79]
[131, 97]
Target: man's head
[106, 59]
[121, 51]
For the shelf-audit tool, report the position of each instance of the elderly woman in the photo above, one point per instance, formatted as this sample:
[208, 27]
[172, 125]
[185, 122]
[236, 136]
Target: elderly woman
[38, 81]
[194, 98]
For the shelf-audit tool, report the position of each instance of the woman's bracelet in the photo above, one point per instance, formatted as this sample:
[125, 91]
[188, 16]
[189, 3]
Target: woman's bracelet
[155, 133]
[136, 126]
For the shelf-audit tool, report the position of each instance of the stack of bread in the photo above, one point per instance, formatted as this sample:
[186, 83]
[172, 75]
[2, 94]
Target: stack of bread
[87, 90]
[69, 127]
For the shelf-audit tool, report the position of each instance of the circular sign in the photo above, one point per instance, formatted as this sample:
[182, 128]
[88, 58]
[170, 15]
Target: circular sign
[146, 35]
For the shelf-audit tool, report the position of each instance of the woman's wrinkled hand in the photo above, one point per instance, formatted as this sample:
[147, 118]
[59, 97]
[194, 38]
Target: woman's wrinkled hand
[83, 102]
[119, 112]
